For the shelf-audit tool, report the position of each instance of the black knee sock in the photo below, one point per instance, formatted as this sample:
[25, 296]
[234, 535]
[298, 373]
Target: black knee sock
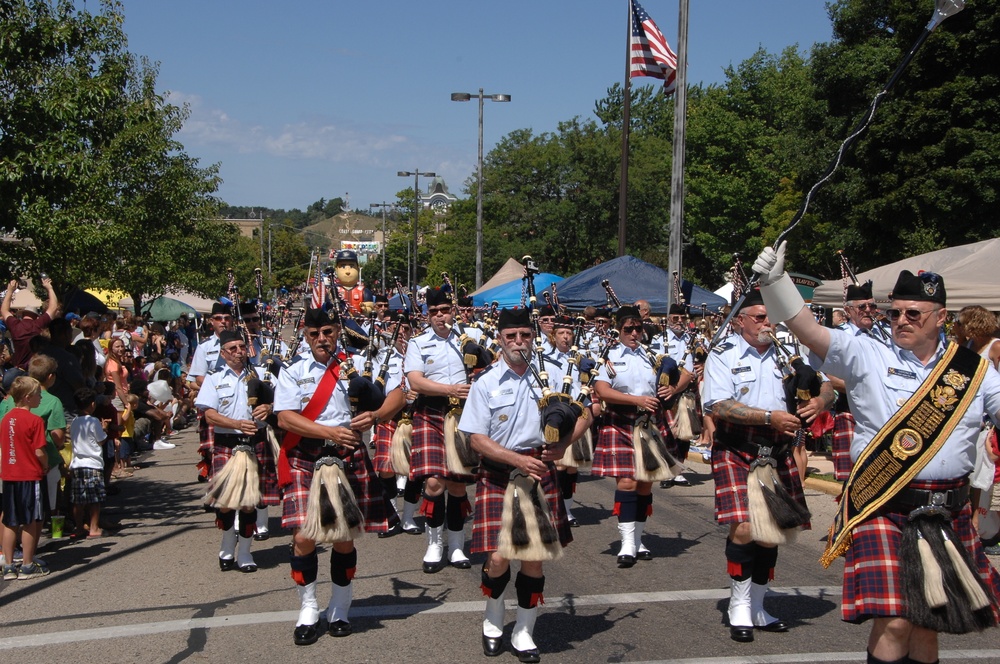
[567, 484]
[740, 559]
[493, 587]
[626, 506]
[343, 566]
[305, 568]
[434, 510]
[411, 492]
[643, 506]
[389, 486]
[764, 560]
[248, 524]
[456, 512]
[224, 520]
[529, 591]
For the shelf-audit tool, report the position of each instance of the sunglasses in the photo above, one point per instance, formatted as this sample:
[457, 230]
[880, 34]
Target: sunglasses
[222, 318]
[252, 319]
[759, 318]
[629, 329]
[326, 332]
[438, 310]
[603, 321]
[235, 349]
[912, 315]
[511, 336]
[866, 307]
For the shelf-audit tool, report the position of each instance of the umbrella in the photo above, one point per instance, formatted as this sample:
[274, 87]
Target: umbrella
[166, 308]
[84, 302]
[110, 298]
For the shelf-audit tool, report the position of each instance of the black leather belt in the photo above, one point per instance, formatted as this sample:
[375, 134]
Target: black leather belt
[433, 403]
[754, 448]
[909, 499]
[231, 440]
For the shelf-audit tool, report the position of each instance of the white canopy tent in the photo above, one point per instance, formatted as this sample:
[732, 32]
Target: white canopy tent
[970, 276]
[510, 271]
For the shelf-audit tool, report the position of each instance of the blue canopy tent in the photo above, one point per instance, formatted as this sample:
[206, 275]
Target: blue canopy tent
[509, 294]
[632, 279]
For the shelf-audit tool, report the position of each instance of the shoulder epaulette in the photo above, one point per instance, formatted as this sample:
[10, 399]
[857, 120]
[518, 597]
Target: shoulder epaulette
[723, 347]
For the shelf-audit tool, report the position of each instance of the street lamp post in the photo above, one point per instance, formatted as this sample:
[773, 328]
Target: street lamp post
[465, 96]
[416, 212]
[383, 205]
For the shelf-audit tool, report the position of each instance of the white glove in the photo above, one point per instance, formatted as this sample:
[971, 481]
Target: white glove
[770, 264]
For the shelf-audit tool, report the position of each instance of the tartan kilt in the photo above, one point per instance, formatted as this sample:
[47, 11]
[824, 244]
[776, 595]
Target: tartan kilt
[382, 462]
[730, 468]
[614, 455]
[872, 583]
[206, 434]
[364, 482]
[843, 435]
[87, 486]
[427, 454]
[270, 493]
[490, 488]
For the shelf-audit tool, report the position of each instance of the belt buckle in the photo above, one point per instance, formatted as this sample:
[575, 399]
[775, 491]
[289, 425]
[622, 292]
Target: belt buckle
[936, 506]
[329, 460]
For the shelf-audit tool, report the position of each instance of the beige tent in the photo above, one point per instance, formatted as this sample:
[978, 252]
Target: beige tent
[200, 304]
[970, 271]
[510, 271]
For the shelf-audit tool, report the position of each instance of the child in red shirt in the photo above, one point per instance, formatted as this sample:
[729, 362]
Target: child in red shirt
[23, 465]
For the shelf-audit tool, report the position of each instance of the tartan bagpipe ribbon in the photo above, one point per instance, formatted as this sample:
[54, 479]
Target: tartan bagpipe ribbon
[319, 400]
[906, 443]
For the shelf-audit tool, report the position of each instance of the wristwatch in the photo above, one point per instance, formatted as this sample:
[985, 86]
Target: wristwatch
[767, 418]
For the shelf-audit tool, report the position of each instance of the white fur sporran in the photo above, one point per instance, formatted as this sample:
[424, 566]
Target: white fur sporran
[237, 485]
[526, 530]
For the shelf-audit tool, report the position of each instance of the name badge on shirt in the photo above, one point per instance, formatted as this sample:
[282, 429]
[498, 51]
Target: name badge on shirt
[618, 364]
[305, 381]
[902, 373]
[739, 370]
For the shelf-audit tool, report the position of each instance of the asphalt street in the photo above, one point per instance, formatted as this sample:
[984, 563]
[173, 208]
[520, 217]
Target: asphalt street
[152, 591]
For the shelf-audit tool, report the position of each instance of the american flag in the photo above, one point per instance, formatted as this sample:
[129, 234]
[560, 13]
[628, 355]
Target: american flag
[319, 293]
[651, 55]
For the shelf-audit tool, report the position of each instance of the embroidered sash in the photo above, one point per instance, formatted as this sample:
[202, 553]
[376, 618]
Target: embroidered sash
[906, 443]
[319, 400]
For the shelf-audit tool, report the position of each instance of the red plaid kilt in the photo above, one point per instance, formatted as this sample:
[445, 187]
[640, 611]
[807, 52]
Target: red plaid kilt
[427, 454]
[843, 434]
[364, 482]
[206, 434]
[270, 494]
[730, 468]
[490, 488]
[872, 587]
[614, 455]
[382, 463]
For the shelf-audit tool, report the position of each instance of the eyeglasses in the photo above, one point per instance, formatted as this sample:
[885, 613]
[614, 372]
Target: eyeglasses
[912, 315]
[629, 329]
[235, 349]
[759, 318]
[601, 321]
[252, 319]
[867, 306]
[676, 319]
[511, 336]
[222, 318]
[381, 305]
[326, 332]
[547, 319]
[438, 310]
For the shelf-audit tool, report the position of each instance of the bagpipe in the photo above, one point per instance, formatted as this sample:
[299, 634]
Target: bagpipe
[775, 514]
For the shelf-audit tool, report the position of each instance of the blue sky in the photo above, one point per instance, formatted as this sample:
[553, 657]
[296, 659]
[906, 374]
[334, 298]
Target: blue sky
[305, 99]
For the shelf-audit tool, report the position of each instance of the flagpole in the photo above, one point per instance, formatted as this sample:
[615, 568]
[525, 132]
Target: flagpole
[626, 121]
[680, 139]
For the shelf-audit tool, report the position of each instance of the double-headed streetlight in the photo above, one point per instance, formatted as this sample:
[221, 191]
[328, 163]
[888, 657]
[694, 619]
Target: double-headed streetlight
[416, 212]
[383, 205]
[465, 96]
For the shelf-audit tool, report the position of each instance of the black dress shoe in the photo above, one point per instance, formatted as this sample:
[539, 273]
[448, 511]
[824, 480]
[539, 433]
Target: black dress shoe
[340, 628]
[776, 626]
[573, 523]
[643, 555]
[626, 561]
[666, 484]
[260, 537]
[227, 564]
[492, 645]
[461, 564]
[434, 568]
[414, 530]
[395, 530]
[741, 634]
[249, 568]
[526, 656]
[306, 635]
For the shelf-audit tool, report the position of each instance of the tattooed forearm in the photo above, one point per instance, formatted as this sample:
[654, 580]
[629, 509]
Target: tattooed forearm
[733, 411]
[828, 395]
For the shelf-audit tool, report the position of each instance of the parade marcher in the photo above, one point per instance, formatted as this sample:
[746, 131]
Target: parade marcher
[435, 369]
[207, 357]
[633, 397]
[675, 342]
[743, 389]
[238, 430]
[314, 410]
[502, 419]
[918, 403]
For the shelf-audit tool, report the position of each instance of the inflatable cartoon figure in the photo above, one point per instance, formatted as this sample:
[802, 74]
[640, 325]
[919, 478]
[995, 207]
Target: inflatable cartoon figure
[352, 290]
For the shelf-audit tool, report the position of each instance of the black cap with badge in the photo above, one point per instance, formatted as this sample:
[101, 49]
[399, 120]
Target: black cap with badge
[920, 287]
[856, 292]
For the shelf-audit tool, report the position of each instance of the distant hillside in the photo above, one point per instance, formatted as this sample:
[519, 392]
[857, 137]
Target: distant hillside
[347, 226]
